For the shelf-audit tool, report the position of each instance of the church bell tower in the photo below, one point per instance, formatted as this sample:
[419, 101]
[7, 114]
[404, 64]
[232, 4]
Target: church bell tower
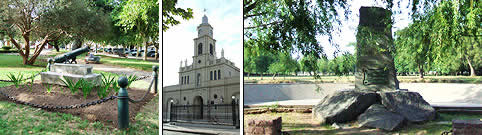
[204, 44]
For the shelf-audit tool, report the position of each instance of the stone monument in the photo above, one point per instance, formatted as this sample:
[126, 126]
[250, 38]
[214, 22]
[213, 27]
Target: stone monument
[61, 69]
[375, 68]
[376, 101]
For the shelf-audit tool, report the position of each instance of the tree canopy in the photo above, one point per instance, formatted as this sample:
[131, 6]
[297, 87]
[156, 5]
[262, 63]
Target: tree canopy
[41, 21]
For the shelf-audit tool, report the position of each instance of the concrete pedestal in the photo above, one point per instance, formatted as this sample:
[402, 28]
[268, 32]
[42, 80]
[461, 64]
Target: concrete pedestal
[74, 72]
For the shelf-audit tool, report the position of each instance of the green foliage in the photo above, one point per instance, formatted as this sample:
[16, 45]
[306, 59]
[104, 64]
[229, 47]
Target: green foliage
[73, 86]
[107, 82]
[140, 18]
[86, 87]
[41, 21]
[48, 87]
[289, 26]
[130, 79]
[16, 79]
[32, 79]
[169, 11]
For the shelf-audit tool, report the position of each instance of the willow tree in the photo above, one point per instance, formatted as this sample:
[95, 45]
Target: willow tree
[142, 18]
[38, 22]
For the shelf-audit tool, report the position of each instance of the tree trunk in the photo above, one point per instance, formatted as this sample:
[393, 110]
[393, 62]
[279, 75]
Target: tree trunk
[248, 75]
[261, 76]
[56, 45]
[472, 71]
[274, 75]
[138, 51]
[157, 53]
[145, 50]
[420, 70]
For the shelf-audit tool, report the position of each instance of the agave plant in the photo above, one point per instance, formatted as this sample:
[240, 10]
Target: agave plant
[32, 79]
[70, 83]
[87, 87]
[48, 87]
[131, 79]
[17, 80]
[107, 82]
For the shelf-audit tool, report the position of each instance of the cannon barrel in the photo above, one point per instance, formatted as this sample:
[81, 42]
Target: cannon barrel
[70, 55]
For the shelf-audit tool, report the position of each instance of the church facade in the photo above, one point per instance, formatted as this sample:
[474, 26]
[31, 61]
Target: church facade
[208, 80]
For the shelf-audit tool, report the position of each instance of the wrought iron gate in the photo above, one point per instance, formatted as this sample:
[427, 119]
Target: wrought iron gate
[222, 114]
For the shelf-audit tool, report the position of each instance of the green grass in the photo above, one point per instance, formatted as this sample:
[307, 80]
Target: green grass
[22, 119]
[130, 63]
[351, 79]
[302, 123]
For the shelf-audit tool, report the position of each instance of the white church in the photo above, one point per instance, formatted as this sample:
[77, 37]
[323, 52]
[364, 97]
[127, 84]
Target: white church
[208, 80]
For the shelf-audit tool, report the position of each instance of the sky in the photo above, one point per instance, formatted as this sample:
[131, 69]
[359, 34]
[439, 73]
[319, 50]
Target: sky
[225, 16]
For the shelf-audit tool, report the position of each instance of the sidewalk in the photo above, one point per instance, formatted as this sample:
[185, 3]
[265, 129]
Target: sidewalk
[128, 56]
[201, 129]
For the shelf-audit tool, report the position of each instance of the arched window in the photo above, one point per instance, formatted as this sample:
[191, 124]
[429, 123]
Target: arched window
[211, 49]
[214, 74]
[200, 49]
[219, 74]
[187, 79]
[198, 80]
[211, 75]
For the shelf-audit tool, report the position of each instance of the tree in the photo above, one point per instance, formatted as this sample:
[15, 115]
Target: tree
[284, 64]
[308, 64]
[38, 21]
[262, 63]
[169, 11]
[441, 35]
[142, 18]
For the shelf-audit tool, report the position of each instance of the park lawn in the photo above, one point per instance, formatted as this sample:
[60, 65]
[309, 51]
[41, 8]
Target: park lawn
[22, 119]
[351, 79]
[302, 123]
[130, 63]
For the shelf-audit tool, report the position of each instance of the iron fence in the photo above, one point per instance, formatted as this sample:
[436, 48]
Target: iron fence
[219, 114]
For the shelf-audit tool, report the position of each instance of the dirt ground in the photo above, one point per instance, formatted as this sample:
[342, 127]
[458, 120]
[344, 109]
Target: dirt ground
[60, 95]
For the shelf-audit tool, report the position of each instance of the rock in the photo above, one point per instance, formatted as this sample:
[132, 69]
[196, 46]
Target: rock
[377, 116]
[343, 106]
[264, 126]
[410, 105]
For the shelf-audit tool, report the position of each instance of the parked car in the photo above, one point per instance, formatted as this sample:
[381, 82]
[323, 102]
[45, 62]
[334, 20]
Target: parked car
[108, 50]
[134, 53]
[151, 53]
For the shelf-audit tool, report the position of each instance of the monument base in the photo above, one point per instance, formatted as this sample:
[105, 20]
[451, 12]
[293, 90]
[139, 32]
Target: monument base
[56, 78]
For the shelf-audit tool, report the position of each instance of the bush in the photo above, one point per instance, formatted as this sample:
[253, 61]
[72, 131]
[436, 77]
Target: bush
[6, 48]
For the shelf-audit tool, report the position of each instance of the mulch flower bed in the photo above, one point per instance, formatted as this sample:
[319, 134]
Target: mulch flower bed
[60, 95]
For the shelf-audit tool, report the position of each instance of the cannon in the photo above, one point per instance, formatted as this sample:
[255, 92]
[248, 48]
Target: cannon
[70, 57]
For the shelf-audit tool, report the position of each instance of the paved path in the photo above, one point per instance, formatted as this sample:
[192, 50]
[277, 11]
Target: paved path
[201, 129]
[306, 94]
[167, 132]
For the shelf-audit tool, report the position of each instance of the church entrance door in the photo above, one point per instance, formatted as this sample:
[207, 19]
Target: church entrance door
[198, 107]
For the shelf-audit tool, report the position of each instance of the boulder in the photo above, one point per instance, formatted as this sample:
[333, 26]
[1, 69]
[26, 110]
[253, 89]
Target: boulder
[377, 116]
[343, 106]
[410, 105]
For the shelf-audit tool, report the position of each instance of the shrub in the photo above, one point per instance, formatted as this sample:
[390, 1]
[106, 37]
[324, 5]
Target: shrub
[6, 48]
